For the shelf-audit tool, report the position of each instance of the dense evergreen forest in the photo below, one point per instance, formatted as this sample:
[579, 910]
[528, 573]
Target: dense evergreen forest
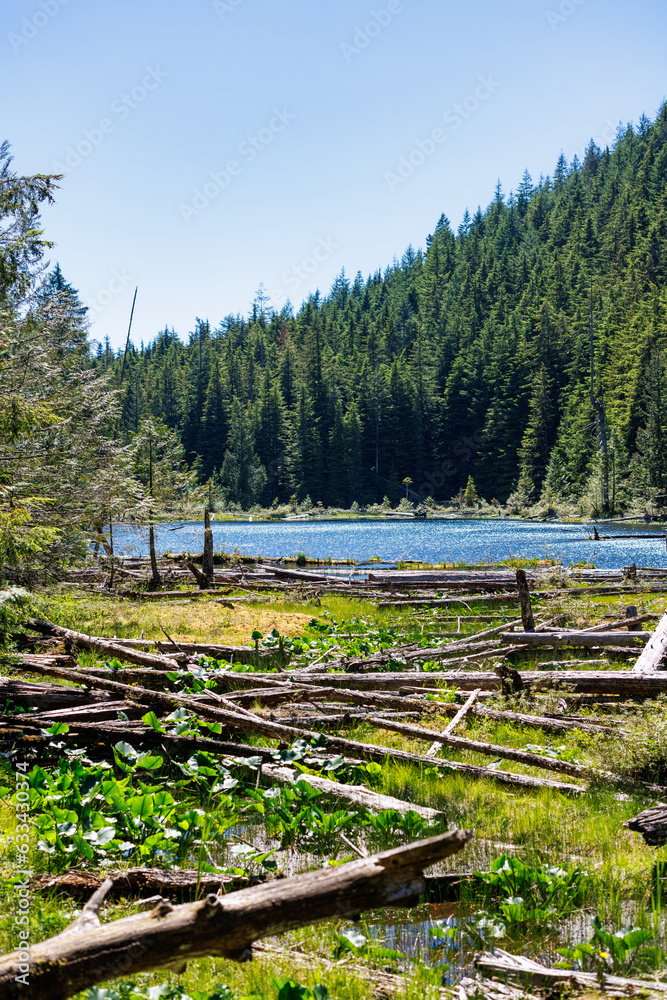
[471, 357]
[464, 366]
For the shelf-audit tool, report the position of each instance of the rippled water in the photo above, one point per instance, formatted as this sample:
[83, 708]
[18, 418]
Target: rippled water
[428, 541]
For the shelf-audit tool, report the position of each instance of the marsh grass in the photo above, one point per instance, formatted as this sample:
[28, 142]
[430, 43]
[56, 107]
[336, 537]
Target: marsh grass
[541, 828]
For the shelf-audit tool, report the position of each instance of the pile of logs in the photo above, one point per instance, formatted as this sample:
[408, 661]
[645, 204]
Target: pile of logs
[343, 692]
[391, 588]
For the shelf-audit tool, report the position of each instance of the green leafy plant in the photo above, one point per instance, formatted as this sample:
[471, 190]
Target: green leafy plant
[620, 952]
[533, 897]
[287, 988]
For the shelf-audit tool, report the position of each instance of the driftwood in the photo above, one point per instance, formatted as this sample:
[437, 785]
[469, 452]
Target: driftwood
[576, 638]
[519, 756]
[488, 749]
[103, 646]
[623, 682]
[249, 723]
[525, 972]
[451, 726]
[554, 724]
[29, 694]
[178, 883]
[654, 654]
[357, 795]
[234, 654]
[652, 824]
[88, 952]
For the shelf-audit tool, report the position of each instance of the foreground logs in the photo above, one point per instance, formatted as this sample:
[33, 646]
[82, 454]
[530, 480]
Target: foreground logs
[88, 952]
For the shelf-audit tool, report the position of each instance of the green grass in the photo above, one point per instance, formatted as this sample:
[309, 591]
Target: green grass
[538, 827]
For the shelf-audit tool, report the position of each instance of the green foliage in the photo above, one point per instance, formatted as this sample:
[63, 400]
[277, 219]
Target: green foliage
[530, 897]
[15, 603]
[641, 751]
[287, 988]
[130, 991]
[622, 952]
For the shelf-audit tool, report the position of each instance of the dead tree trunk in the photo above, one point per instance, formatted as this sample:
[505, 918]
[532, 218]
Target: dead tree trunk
[524, 598]
[207, 559]
[88, 952]
[654, 655]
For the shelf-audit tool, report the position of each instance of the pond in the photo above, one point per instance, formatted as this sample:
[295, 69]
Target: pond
[433, 541]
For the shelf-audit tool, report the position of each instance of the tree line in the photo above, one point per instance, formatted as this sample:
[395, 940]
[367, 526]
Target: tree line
[470, 357]
[469, 360]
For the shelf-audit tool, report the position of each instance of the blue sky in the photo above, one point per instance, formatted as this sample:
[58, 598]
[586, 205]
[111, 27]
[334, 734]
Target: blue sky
[212, 145]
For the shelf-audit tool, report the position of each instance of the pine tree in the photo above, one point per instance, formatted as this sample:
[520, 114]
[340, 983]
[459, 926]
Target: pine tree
[242, 474]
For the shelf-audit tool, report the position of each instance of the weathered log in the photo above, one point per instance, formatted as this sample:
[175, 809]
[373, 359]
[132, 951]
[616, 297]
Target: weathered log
[178, 883]
[550, 724]
[652, 824]
[357, 795]
[525, 972]
[198, 575]
[88, 952]
[264, 727]
[654, 655]
[633, 622]
[477, 746]
[103, 712]
[234, 654]
[113, 649]
[623, 682]
[450, 727]
[29, 694]
[631, 639]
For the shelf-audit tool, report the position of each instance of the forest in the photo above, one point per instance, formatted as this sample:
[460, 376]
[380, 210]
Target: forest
[470, 357]
[466, 362]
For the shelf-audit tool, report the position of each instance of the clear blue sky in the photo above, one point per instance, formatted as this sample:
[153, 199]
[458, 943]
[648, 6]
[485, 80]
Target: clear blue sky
[319, 134]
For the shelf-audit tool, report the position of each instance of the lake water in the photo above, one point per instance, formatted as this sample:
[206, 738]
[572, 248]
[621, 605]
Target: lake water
[428, 541]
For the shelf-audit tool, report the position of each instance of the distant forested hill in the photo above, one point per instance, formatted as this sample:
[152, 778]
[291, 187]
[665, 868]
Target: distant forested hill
[470, 357]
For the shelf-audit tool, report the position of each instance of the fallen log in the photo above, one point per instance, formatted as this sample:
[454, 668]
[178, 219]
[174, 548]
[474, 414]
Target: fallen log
[30, 694]
[357, 795]
[652, 824]
[88, 952]
[623, 682]
[654, 654]
[525, 757]
[179, 883]
[450, 727]
[630, 639]
[525, 972]
[632, 622]
[103, 646]
[234, 654]
[253, 724]
[554, 725]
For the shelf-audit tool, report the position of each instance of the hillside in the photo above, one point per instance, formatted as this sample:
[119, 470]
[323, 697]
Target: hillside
[468, 358]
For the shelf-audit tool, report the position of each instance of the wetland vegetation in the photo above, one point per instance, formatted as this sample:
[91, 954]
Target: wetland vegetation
[548, 874]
